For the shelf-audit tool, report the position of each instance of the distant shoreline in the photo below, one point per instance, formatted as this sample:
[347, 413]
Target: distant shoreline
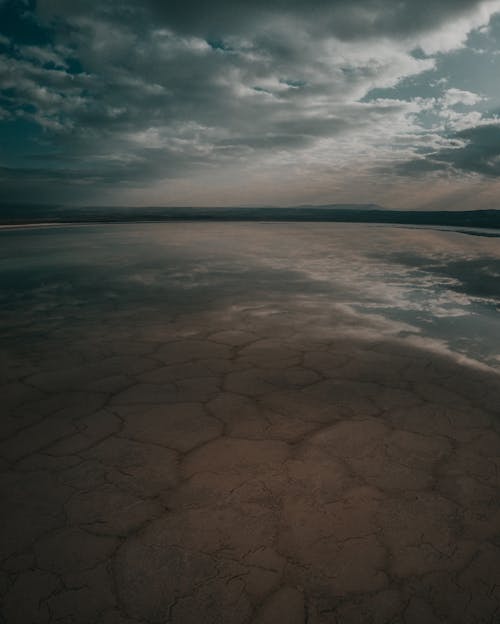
[470, 231]
[17, 216]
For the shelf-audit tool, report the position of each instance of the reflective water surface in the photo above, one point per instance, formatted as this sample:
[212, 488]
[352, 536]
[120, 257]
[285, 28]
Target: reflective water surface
[432, 287]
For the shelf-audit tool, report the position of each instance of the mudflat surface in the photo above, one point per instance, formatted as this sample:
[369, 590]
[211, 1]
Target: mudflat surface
[258, 474]
[249, 425]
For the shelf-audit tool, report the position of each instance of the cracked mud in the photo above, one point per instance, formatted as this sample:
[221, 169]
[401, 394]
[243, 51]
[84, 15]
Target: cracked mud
[259, 475]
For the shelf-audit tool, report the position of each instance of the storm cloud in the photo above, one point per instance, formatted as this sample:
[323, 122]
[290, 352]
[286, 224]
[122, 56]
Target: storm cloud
[220, 102]
[343, 19]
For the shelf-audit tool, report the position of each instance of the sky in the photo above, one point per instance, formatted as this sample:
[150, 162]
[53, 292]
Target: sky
[269, 102]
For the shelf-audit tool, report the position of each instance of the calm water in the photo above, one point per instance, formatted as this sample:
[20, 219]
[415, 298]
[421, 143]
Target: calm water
[436, 288]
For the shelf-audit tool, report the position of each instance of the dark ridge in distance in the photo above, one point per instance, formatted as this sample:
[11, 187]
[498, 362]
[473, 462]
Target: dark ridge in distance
[346, 213]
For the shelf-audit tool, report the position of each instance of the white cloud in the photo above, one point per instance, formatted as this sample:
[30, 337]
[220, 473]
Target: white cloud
[452, 97]
[453, 34]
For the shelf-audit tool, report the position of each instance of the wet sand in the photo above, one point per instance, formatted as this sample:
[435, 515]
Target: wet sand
[251, 466]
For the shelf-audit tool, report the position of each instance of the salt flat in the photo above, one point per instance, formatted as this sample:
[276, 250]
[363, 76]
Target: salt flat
[177, 448]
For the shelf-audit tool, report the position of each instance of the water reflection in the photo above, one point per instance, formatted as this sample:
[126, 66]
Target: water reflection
[438, 286]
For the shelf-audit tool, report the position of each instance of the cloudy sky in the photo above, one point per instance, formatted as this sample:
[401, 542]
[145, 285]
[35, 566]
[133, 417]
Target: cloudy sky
[231, 102]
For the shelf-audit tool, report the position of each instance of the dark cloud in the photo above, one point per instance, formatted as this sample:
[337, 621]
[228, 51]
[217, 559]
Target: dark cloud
[342, 18]
[477, 151]
[481, 154]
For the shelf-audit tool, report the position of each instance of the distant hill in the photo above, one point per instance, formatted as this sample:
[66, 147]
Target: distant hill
[347, 213]
[338, 207]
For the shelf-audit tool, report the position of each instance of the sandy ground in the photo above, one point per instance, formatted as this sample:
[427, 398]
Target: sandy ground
[256, 472]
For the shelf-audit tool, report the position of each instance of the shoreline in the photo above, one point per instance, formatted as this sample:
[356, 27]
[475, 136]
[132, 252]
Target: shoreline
[470, 231]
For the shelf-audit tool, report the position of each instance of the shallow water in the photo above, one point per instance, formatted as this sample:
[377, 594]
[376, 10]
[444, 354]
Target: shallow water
[431, 287]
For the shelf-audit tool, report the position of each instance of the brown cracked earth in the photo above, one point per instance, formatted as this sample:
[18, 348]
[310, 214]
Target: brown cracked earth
[262, 474]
